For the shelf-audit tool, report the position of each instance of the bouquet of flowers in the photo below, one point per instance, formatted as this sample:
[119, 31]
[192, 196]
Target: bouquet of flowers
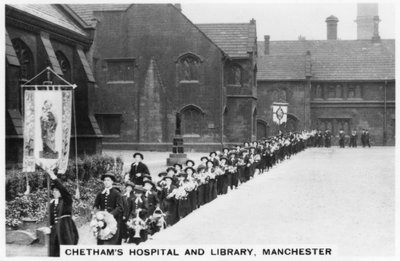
[179, 193]
[189, 186]
[218, 171]
[103, 225]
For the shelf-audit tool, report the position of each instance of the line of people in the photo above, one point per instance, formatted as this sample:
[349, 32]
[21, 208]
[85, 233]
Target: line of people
[324, 139]
[144, 207]
[149, 206]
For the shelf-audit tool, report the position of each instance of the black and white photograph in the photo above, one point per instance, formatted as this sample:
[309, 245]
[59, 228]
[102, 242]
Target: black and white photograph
[199, 130]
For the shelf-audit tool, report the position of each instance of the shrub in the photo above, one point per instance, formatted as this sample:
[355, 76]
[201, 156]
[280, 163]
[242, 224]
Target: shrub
[34, 205]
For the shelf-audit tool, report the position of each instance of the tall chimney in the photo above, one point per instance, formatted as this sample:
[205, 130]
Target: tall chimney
[331, 27]
[366, 13]
[376, 37]
[266, 44]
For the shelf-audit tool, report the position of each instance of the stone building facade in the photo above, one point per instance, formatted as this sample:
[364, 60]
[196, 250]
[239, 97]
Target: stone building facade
[329, 84]
[151, 62]
[38, 36]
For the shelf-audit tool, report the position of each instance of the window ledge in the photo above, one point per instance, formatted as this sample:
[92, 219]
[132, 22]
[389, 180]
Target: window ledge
[114, 136]
[191, 135]
[189, 81]
[234, 85]
[121, 82]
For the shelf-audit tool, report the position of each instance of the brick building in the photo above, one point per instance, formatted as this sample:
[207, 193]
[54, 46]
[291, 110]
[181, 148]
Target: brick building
[38, 36]
[330, 84]
[151, 62]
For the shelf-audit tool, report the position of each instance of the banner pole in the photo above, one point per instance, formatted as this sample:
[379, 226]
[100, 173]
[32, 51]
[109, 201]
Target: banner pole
[48, 211]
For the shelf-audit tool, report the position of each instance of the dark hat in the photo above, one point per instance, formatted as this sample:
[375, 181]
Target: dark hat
[177, 164]
[213, 152]
[252, 147]
[139, 188]
[150, 182]
[204, 157]
[138, 153]
[223, 158]
[182, 174]
[146, 176]
[200, 168]
[225, 149]
[171, 168]
[168, 177]
[209, 161]
[193, 170]
[129, 183]
[162, 174]
[108, 174]
[189, 161]
[232, 153]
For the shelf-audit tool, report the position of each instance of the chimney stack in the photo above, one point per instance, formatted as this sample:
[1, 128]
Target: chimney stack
[331, 24]
[179, 7]
[366, 22]
[266, 44]
[376, 38]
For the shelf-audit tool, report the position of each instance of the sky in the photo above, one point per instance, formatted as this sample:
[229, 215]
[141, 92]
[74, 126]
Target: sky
[287, 21]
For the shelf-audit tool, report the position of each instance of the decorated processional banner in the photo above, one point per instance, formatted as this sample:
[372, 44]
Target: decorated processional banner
[47, 129]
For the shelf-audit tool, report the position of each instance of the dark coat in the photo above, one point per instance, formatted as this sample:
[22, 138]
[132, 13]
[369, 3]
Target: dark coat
[136, 169]
[153, 201]
[63, 229]
[113, 203]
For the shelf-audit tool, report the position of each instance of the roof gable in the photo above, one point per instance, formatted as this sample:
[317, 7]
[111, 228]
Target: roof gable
[237, 40]
[335, 59]
[53, 14]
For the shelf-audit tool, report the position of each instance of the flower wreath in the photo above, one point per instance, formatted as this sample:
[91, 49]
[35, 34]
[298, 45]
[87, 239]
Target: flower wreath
[103, 225]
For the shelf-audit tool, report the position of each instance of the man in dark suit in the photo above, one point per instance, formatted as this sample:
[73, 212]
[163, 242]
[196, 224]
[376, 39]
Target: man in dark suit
[138, 169]
[366, 137]
[110, 200]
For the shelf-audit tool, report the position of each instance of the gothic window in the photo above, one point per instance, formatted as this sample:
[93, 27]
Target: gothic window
[189, 68]
[338, 91]
[350, 92]
[358, 91]
[234, 75]
[318, 92]
[191, 121]
[331, 92]
[120, 70]
[64, 65]
[25, 58]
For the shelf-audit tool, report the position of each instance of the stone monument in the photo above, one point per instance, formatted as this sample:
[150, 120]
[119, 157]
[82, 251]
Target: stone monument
[177, 155]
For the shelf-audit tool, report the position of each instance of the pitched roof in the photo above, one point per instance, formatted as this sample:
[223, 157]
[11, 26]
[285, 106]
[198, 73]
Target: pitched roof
[332, 59]
[51, 14]
[281, 67]
[85, 11]
[234, 39]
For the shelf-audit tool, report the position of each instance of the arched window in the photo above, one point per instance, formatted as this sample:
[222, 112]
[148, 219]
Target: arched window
[64, 65]
[192, 118]
[262, 129]
[234, 74]
[25, 58]
[292, 123]
[188, 67]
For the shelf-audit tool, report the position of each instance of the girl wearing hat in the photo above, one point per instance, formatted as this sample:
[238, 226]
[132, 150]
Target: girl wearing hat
[151, 196]
[127, 197]
[110, 200]
[203, 163]
[212, 186]
[138, 208]
[192, 193]
[62, 228]
[170, 204]
[138, 169]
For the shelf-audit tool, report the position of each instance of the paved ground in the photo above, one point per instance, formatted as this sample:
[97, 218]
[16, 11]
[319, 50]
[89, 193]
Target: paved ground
[321, 196]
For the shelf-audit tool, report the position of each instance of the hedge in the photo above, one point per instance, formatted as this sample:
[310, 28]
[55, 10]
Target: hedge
[34, 204]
